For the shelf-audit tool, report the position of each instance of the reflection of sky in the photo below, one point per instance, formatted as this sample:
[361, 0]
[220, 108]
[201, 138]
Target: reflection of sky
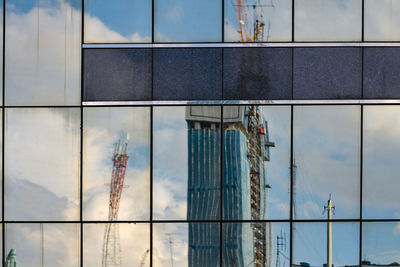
[310, 243]
[381, 165]
[327, 153]
[277, 16]
[381, 242]
[122, 21]
[103, 127]
[188, 20]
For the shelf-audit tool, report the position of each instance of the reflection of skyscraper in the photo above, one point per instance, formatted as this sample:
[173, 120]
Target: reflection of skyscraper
[11, 260]
[246, 147]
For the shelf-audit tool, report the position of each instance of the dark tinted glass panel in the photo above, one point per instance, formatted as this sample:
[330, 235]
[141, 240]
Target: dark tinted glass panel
[186, 244]
[257, 73]
[188, 73]
[123, 21]
[334, 20]
[381, 20]
[311, 244]
[380, 165]
[327, 73]
[187, 20]
[326, 144]
[42, 163]
[256, 244]
[116, 244]
[258, 21]
[116, 145]
[43, 40]
[186, 165]
[256, 161]
[117, 74]
[380, 243]
[43, 244]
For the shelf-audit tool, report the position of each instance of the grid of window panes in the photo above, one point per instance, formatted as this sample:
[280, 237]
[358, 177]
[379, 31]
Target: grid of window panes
[161, 184]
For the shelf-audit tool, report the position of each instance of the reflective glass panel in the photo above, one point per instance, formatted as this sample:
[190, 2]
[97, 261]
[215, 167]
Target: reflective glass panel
[327, 20]
[380, 243]
[123, 21]
[380, 164]
[186, 244]
[187, 20]
[382, 20]
[43, 40]
[311, 244]
[256, 244]
[116, 244]
[258, 21]
[39, 244]
[186, 150]
[42, 163]
[256, 162]
[326, 145]
[116, 144]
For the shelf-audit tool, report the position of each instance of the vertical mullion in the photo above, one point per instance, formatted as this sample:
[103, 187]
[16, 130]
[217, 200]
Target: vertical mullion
[291, 186]
[151, 186]
[361, 179]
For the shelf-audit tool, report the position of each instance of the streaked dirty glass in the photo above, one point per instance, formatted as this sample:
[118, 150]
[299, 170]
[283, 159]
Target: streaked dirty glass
[256, 244]
[187, 21]
[186, 244]
[310, 244]
[123, 21]
[43, 244]
[327, 20]
[381, 20]
[133, 248]
[186, 163]
[380, 165]
[326, 161]
[42, 166]
[256, 161]
[43, 59]
[258, 21]
[114, 136]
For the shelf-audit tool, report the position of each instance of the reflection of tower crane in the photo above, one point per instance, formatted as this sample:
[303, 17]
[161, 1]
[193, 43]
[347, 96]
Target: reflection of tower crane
[111, 244]
[257, 32]
[171, 243]
[142, 262]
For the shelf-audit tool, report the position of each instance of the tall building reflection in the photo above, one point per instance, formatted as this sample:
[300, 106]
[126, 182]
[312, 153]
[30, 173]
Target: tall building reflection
[245, 149]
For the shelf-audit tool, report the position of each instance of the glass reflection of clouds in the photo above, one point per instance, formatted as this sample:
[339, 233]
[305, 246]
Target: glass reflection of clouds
[103, 128]
[381, 20]
[122, 21]
[326, 145]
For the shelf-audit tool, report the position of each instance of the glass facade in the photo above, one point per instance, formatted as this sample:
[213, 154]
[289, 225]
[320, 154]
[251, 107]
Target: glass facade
[231, 133]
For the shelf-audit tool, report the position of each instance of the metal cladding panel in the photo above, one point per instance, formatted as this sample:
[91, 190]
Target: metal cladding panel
[213, 113]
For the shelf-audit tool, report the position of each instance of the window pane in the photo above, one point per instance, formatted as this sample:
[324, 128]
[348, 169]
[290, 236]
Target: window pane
[258, 21]
[381, 20]
[116, 143]
[332, 20]
[310, 244]
[37, 244]
[42, 163]
[131, 240]
[326, 142]
[187, 162]
[43, 40]
[187, 20]
[123, 21]
[256, 162]
[186, 244]
[256, 244]
[380, 243]
[381, 168]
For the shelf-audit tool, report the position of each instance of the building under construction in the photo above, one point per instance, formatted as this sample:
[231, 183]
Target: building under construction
[245, 149]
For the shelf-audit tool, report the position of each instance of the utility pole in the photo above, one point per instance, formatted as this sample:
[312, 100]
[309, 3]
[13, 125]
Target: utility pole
[329, 208]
